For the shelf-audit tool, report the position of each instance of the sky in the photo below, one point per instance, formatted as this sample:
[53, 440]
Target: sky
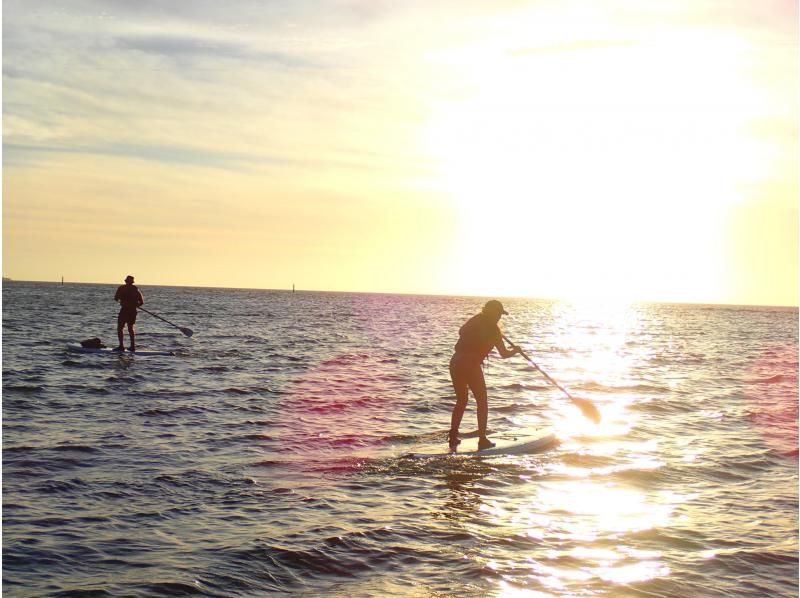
[615, 149]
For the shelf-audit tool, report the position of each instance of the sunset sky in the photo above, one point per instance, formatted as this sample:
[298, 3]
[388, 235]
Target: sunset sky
[609, 149]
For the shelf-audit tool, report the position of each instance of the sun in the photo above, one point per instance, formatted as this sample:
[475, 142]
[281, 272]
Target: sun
[583, 171]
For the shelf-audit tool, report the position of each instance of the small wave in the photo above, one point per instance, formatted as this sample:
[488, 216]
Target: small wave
[331, 405]
[22, 388]
[237, 391]
[191, 479]
[20, 449]
[415, 438]
[315, 562]
[346, 358]
[32, 468]
[677, 540]
[338, 466]
[519, 386]
[172, 412]
[259, 390]
[251, 409]
[260, 437]
[77, 448]
[214, 369]
[56, 486]
[593, 386]
[646, 476]
[662, 406]
[255, 422]
[772, 379]
[171, 588]
[743, 559]
[173, 394]
[512, 408]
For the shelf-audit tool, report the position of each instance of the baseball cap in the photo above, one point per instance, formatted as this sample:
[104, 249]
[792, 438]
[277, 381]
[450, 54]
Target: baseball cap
[494, 305]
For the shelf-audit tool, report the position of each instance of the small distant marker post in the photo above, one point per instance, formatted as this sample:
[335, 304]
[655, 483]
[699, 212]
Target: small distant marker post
[292, 289]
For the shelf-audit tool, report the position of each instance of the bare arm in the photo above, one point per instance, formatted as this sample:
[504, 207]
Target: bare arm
[504, 352]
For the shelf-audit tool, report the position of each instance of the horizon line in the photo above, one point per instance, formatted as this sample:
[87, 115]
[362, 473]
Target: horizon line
[6, 279]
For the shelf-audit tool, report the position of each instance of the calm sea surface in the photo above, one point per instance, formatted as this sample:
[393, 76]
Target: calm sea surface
[267, 455]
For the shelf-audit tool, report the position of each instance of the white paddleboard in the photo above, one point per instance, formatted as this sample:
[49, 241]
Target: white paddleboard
[77, 348]
[521, 445]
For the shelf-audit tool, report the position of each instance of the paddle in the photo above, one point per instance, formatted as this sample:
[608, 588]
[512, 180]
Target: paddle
[186, 331]
[588, 408]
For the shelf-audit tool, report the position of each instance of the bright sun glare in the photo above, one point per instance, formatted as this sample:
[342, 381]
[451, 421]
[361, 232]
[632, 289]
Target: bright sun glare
[588, 166]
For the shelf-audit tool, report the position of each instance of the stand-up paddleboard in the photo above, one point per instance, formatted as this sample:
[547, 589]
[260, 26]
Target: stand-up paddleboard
[77, 348]
[521, 445]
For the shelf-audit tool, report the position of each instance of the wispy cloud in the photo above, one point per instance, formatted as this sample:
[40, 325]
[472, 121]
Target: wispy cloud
[168, 154]
[194, 51]
[167, 82]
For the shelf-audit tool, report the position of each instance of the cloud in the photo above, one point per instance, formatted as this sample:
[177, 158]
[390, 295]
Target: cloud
[206, 53]
[169, 154]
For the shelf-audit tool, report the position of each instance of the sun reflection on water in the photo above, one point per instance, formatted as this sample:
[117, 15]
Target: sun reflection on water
[603, 508]
[597, 351]
[586, 523]
[584, 509]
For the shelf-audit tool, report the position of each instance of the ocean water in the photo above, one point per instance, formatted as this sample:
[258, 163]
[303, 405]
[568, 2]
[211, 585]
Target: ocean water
[266, 456]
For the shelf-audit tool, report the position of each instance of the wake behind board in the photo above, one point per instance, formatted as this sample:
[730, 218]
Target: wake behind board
[521, 445]
[77, 348]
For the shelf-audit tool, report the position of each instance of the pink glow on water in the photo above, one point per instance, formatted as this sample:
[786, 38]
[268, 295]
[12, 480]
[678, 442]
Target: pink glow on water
[773, 397]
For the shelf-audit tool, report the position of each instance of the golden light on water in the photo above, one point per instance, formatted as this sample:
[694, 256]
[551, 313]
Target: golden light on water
[604, 508]
[591, 341]
[641, 571]
[574, 508]
[590, 520]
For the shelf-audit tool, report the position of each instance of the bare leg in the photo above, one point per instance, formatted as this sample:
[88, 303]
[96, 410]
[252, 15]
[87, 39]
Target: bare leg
[483, 414]
[478, 386]
[120, 326]
[458, 410]
[132, 335]
[460, 387]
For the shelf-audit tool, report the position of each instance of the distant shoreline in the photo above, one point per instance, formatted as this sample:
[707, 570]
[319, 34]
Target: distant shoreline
[289, 290]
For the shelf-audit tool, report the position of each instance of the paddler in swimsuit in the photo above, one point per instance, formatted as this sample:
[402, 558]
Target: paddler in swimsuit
[477, 337]
[130, 298]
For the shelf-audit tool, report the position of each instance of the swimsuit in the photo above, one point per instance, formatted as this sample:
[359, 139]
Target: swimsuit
[128, 296]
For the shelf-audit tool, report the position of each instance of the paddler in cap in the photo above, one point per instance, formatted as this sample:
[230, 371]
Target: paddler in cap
[130, 298]
[477, 337]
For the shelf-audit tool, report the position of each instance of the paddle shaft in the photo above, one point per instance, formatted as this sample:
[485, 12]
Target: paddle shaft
[186, 331]
[541, 371]
[588, 408]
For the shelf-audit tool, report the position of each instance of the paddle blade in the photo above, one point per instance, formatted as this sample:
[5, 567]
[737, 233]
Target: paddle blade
[186, 331]
[588, 409]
